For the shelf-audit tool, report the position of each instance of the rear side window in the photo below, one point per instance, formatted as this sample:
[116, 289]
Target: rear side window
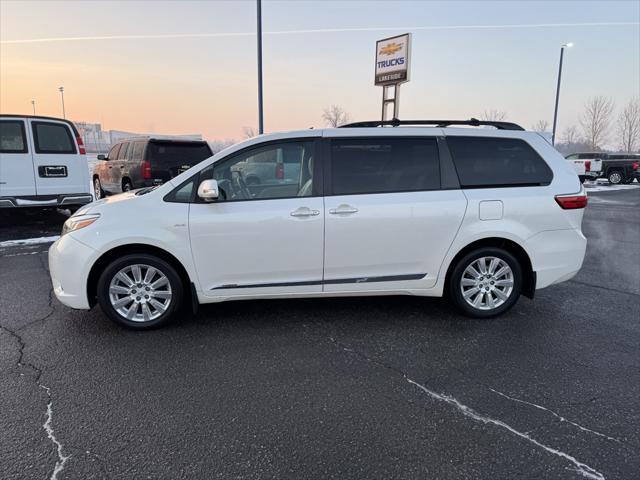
[177, 153]
[53, 138]
[384, 165]
[497, 162]
[12, 137]
[113, 153]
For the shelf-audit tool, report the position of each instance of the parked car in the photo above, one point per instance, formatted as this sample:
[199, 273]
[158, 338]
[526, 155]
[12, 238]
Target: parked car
[42, 163]
[588, 166]
[621, 167]
[144, 162]
[479, 215]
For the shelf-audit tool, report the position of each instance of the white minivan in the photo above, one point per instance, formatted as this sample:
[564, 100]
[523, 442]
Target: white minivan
[42, 163]
[375, 208]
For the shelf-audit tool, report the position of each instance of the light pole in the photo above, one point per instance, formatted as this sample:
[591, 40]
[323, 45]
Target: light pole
[259, 32]
[33, 104]
[61, 89]
[555, 111]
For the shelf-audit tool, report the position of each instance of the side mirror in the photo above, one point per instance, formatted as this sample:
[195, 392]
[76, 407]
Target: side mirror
[101, 157]
[208, 190]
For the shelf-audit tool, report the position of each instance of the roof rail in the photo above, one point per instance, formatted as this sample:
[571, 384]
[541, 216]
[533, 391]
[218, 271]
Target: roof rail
[474, 122]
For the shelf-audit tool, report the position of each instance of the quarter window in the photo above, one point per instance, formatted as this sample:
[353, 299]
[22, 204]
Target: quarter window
[12, 137]
[53, 138]
[283, 170]
[497, 162]
[113, 153]
[384, 165]
[138, 147]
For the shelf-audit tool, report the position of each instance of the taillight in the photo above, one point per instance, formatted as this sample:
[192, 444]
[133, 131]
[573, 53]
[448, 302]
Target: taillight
[587, 165]
[81, 148]
[279, 171]
[572, 202]
[635, 165]
[146, 169]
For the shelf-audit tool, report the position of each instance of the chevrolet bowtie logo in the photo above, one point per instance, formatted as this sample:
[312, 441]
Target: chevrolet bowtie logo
[390, 48]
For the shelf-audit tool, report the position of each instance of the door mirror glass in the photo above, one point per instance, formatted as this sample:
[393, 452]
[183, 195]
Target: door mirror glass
[101, 157]
[208, 190]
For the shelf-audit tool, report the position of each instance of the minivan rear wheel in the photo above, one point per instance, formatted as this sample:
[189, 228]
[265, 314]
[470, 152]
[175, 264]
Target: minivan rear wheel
[140, 291]
[485, 282]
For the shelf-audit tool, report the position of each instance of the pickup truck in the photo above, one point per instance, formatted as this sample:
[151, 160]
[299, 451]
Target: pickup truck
[615, 167]
[621, 167]
[588, 166]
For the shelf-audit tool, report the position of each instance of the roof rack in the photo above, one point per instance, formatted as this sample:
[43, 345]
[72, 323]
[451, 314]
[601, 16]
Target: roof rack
[474, 122]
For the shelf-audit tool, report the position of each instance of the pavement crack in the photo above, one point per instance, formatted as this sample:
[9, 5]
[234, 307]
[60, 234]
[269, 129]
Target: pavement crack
[557, 415]
[577, 466]
[62, 458]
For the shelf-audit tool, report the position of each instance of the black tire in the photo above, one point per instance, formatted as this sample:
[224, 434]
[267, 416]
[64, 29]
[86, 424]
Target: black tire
[98, 192]
[582, 179]
[126, 186]
[175, 282]
[615, 177]
[454, 288]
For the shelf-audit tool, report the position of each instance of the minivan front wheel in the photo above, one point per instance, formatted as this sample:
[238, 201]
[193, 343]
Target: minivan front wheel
[140, 291]
[486, 282]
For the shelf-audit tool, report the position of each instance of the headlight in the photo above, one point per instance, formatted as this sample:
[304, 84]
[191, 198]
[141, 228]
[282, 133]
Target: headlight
[78, 222]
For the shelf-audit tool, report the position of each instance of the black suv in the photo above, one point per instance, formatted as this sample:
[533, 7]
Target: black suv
[144, 162]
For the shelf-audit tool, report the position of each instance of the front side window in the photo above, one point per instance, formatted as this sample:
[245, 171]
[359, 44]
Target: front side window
[122, 154]
[360, 166]
[12, 137]
[113, 153]
[53, 138]
[282, 170]
[497, 162]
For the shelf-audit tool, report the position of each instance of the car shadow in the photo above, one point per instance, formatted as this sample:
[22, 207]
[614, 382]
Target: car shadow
[23, 223]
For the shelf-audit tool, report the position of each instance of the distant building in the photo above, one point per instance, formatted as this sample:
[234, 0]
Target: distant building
[97, 140]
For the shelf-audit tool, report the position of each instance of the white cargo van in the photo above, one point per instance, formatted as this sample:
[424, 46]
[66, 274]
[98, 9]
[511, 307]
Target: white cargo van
[42, 163]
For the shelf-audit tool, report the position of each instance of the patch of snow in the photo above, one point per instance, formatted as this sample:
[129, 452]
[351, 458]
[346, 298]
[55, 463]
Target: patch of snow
[607, 187]
[582, 468]
[62, 459]
[28, 241]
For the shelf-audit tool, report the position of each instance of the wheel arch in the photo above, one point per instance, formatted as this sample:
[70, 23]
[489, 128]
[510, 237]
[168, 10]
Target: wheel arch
[528, 274]
[106, 258]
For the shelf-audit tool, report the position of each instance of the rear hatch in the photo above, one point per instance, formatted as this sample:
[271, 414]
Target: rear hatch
[169, 158]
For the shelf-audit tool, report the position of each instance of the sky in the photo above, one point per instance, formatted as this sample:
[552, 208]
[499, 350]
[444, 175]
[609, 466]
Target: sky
[178, 67]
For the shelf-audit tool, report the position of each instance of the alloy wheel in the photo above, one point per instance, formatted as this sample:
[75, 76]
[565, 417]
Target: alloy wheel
[487, 283]
[140, 293]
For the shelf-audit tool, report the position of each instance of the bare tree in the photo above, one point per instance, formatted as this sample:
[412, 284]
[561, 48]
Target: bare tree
[540, 126]
[596, 120]
[249, 132]
[493, 115]
[334, 116]
[629, 126]
[570, 135]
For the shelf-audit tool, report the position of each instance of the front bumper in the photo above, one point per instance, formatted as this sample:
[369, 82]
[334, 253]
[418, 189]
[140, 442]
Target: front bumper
[69, 265]
[42, 201]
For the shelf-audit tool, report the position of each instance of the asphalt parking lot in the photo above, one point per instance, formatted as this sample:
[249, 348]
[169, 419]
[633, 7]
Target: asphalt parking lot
[393, 387]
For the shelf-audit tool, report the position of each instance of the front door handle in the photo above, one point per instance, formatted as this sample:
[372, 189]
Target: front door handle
[344, 208]
[304, 212]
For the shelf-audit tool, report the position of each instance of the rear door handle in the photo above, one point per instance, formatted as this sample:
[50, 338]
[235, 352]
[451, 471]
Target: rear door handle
[344, 208]
[304, 212]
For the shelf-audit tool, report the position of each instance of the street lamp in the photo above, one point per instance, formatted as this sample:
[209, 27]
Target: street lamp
[61, 89]
[33, 104]
[259, 35]
[555, 111]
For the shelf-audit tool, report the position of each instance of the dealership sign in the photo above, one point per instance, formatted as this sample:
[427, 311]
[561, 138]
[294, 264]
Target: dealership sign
[392, 60]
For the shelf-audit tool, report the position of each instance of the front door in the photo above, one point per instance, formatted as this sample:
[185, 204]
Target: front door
[265, 238]
[388, 223]
[16, 163]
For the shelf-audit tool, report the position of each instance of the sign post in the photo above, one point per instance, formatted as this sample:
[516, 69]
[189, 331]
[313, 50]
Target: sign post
[392, 69]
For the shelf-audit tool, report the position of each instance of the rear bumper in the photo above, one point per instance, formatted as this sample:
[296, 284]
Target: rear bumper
[69, 265]
[43, 201]
[556, 256]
